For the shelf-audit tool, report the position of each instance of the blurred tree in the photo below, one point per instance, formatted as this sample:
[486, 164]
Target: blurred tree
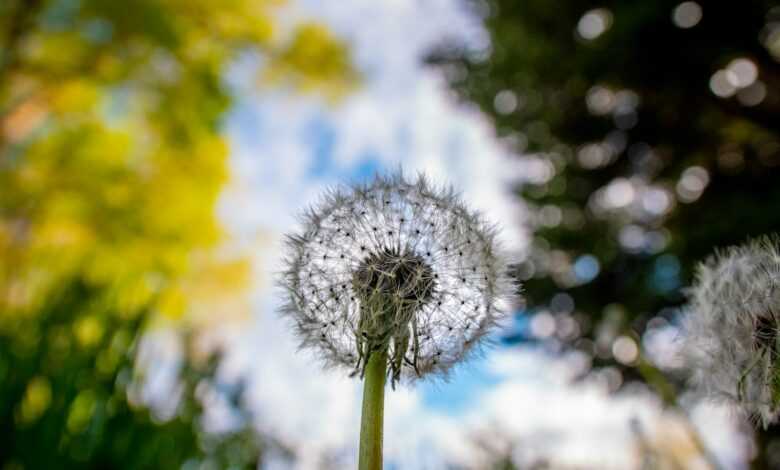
[111, 160]
[650, 133]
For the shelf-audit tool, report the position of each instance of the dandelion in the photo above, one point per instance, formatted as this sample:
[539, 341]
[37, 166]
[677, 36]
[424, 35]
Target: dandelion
[395, 278]
[732, 344]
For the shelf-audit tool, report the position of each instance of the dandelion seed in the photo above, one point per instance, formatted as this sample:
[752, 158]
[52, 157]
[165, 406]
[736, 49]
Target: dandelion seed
[732, 346]
[403, 281]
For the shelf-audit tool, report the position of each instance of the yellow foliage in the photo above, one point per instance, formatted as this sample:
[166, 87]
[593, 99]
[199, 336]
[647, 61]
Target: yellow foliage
[311, 55]
[81, 411]
[37, 399]
[88, 330]
[111, 160]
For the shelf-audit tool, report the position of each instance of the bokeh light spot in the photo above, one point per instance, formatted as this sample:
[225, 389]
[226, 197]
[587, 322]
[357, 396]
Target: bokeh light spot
[543, 325]
[505, 102]
[625, 350]
[743, 72]
[692, 183]
[594, 23]
[687, 15]
[586, 268]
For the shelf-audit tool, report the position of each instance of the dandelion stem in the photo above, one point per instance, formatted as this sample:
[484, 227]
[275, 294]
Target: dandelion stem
[373, 412]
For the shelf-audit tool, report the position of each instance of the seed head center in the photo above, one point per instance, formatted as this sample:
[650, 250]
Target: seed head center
[401, 280]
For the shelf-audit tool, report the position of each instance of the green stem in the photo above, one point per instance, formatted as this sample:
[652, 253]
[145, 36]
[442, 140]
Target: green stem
[373, 412]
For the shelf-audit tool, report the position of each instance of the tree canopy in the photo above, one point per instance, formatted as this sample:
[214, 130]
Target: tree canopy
[650, 132]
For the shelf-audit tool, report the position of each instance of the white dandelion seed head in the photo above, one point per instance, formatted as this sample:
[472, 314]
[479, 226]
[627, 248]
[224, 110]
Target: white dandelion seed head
[397, 266]
[731, 342]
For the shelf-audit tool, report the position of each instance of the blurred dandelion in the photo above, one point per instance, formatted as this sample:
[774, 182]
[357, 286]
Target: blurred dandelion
[394, 274]
[731, 343]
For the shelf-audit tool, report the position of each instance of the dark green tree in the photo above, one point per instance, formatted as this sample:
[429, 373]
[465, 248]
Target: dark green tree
[651, 132]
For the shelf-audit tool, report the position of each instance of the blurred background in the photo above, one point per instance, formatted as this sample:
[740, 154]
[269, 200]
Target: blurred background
[154, 152]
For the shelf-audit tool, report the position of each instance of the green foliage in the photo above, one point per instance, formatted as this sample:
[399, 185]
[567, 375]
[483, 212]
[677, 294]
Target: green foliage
[111, 161]
[650, 161]
[64, 404]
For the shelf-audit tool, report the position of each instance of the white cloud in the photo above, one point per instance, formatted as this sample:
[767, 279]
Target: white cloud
[403, 114]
